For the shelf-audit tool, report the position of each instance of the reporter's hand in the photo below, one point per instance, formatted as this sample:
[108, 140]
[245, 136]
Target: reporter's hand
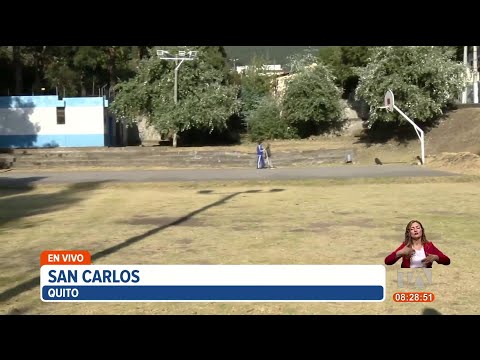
[406, 251]
[430, 259]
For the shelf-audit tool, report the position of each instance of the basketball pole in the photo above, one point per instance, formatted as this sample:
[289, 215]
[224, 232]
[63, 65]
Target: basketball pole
[420, 133]
[389, 101]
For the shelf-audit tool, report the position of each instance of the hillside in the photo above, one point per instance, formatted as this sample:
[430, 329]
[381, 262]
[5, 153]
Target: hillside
[455, 143]
[459, 131]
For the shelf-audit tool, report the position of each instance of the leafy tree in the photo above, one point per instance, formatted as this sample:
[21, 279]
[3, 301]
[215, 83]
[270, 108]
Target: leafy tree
[343, 60]
[205, 99]
[61, 73]
[312, 101]
[299, 61]
[73, 70]
[255, 85]
[265, 122]
[424, 79]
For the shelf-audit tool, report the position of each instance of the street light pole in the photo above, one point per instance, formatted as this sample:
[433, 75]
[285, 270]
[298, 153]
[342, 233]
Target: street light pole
[175, 89]
[182, 56]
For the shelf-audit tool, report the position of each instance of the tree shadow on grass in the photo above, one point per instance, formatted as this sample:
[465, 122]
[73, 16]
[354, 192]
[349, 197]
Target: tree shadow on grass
[19, 206]
[13, 186]
[32, 283]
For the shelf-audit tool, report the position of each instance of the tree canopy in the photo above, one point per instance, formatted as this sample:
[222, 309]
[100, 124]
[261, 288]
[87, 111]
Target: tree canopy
[206, 99]
[425, 81]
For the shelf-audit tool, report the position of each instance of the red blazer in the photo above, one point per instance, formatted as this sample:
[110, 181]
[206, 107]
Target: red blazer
[429, 249]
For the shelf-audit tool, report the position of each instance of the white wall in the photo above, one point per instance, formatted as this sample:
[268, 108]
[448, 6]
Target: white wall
[83, 120]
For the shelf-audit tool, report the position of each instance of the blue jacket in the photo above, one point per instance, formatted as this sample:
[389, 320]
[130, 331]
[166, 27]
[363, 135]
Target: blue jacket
[259, 149]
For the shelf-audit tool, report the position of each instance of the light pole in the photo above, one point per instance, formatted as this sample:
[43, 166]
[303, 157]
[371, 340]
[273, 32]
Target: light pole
[181, 56]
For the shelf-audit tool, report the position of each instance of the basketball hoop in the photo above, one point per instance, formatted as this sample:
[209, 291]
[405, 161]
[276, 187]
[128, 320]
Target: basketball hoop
[389, 105]
[389, 101]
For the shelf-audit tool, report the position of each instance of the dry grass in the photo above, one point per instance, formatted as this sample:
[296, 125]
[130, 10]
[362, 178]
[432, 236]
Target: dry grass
[462, 163]
[296, 222]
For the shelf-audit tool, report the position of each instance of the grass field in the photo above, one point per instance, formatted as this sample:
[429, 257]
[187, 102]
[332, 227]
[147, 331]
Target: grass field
[286, 222]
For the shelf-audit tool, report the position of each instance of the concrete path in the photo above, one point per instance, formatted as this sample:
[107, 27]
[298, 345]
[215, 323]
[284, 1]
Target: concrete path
[15, 177]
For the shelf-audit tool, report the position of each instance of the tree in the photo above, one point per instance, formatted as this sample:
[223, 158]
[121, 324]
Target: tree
[61, 72]
[312, 101]
[424, 79]
[205, 99]
[71, 70]
[299, 61]
[255, 85]
[265, 122]
[343, 60]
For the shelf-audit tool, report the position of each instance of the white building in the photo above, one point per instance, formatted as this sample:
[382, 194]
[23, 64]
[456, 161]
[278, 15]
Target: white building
[267, 69]
[47, 121]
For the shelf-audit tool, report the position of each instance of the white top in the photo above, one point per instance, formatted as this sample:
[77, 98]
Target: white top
[416, 259]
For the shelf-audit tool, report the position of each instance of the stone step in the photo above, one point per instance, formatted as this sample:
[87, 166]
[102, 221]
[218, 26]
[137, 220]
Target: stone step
[46, 159]
[167, 163]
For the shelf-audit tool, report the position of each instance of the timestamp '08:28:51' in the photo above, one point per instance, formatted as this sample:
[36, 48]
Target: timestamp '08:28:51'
[413, 297]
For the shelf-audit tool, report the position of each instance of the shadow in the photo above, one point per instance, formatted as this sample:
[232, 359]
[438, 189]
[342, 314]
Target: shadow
[383, 132]
[25, 205]
[32, 283]
[276, 190]
[243, 192]
[13, 186]
[16, 129]
[431, 311]
[179, 221]
[41, 204]
[133, 136]
[305, 129]
[229, 136]
[199, 138]
[204, 191]
[399, 130]
[51, 144]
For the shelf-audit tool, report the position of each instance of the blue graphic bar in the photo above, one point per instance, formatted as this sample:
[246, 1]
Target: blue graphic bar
[213, 293]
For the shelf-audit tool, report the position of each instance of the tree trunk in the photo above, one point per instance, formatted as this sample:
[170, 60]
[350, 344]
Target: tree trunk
[18, 66]
[40, 62]
[111, 66]
[174, 139]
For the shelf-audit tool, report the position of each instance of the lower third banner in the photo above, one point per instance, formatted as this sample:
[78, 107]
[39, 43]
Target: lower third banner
[212, 283]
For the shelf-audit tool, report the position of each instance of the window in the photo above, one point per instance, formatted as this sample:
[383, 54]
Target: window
[60, 115]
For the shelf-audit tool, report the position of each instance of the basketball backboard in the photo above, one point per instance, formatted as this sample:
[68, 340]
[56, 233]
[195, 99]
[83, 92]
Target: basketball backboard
[389, 100]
